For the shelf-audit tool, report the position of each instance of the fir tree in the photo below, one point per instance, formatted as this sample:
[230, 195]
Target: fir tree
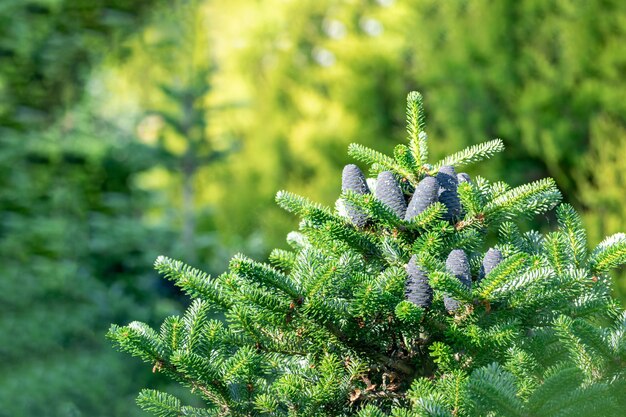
[402, 316]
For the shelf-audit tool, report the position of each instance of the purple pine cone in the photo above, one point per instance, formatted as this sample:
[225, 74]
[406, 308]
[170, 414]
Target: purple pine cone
[450, 304]
[389, 193]
[463, 177]
[447, 178]
[417, 289]
[352, 179]
[448, 183]
[492, 258]
[425, 194]
[458, 265]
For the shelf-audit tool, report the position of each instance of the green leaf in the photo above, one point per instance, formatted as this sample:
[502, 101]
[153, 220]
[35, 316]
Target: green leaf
[159, 403]
[609, 254]
[472, 154]
[493, 390]
[415, 125]
[527, 199]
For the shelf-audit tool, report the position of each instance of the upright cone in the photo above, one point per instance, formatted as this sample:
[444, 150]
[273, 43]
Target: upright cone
[425, 194]
[389, 193]
[492, 258]
[458, 265]
[352, 179]
[448, 183]
[417, 289]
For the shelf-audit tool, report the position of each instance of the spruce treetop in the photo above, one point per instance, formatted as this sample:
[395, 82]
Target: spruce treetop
[393, 303]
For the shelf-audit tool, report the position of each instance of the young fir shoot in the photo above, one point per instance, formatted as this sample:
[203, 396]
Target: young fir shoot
[392, 304]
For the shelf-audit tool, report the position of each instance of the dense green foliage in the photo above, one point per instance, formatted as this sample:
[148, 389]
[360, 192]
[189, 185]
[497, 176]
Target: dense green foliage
[393, 304]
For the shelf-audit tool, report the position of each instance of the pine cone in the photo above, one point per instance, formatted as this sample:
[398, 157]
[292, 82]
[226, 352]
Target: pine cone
[458, 265]
[353, 179]
[463, 177]
[389, 193]
[417, 289]
[448, 183]
[446, 176]
[492, 258]
[450, 304]
[425, 194]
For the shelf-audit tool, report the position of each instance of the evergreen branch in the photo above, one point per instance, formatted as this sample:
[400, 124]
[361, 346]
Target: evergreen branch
[404, 158]
[380, 160]
[317, 272]
[445, 282]
[556, 381]
[364, 243]
[257, 272]
[472, 154]
[371, 156]
[201, 374]
[194, 321]
[556, 251]
[192, 281]
[522, 282]
[468, 239]
[242, 365]
[171, 334]
[493, 389]
[533, 198]
[266, 300]
[594, 338]
[139, 340]
[303, 207]
[430, 407]
[609, 254]
[577, 350]
[571, 226]
[511, 236]
[159, 403]
[471, 200]
[415, 125]
[430, 215]
[500, 275]
[282, 259]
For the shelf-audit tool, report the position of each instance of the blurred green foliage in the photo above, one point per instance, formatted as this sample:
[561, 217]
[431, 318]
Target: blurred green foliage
[47, 48]
[76, 255]
[75, 247]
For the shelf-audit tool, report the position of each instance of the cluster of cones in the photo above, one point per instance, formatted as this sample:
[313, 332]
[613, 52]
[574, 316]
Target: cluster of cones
[442, 188]
[419, 291]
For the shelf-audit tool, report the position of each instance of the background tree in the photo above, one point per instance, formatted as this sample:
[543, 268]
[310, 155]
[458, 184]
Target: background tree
[74, 249]
[48, 47]
[179, 115]
[73, 234]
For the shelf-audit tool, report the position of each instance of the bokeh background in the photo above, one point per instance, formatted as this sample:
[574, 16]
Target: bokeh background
[133, 128]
